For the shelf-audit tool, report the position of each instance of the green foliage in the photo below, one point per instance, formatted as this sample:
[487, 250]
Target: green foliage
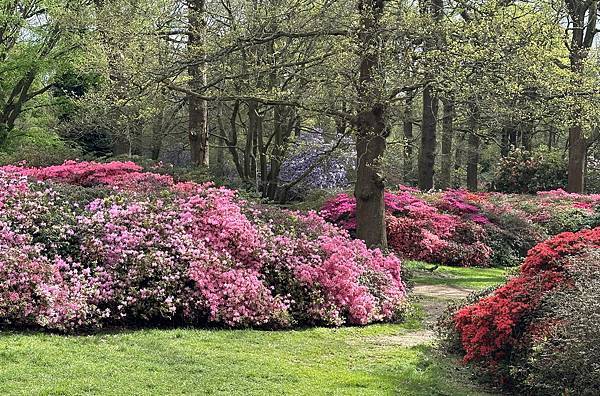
[39, 149]
[528, 172]
[510, 236]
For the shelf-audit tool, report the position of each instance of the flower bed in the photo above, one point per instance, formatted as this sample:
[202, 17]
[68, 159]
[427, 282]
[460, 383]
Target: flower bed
[89, 245]
[456, 227]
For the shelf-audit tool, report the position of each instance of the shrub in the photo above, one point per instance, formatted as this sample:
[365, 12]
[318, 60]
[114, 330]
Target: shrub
[490, 327]
[317, 163]
[121, 252]
[533, 331]
[417, 230]
[522, 171]
[40, 150]
[563, 355]
[456, 227]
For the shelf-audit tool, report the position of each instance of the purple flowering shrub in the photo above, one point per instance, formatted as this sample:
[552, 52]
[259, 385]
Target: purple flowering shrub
[73, 260]
[331, 167]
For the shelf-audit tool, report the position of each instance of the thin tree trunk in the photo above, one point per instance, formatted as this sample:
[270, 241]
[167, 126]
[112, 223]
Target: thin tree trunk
[473, 152]
[197, 108]
[459, 153]
[577, 141]
[430, 104]
[428, 138]
[407, 128]
[473, 163]
[371, 130]
[250, 139]
[232, 141]
[447, 137]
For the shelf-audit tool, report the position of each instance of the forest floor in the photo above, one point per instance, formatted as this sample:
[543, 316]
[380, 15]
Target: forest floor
[398, 359]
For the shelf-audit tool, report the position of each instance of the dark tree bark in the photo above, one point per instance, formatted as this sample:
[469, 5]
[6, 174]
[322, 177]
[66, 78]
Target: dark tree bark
[371, 130]
[447, 137]
[509, 138]
[551, 138]
[526, 134]
[504, 144]
[430, 107]
[428, 138]
[197, 107]
[577, 154]
[409, 144]
[459, 153]
[473, 151]
[473, 163]
[249, 149]
[220, 142]
[583, 15]
[282, 131]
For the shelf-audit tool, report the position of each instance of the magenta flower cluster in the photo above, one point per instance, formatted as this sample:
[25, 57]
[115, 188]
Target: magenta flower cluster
[77, 258]
[456, 227]
[124, 175]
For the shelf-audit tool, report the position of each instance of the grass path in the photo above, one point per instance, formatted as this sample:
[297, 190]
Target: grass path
[396, 359]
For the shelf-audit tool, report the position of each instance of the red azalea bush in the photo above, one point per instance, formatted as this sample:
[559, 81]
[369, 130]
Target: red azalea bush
[456, 227]
[490, 327]
[497, 330]
[75, 257]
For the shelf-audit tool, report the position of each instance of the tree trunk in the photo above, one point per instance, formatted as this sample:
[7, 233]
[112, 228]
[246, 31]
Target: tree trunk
[583, 33]
[157, 137]
[577, 141]
[577, 152]
[447, 137]
[526, 134]
[249, 160]
[281, 133]
[428, 139]
[459, 153]
[232, 140]
[504, 145]
[218, 168]
[473, 163]
[197, 108]
[407, 127]
[435, 8]
[371, 130]
[473, 152]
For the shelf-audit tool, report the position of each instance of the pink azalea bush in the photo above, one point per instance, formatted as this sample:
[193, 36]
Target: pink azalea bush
[124, 175]
[86, 245]
[457, 227]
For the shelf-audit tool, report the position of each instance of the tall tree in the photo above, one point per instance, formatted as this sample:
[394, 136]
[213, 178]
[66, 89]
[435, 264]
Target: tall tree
[430, 103]
[474, 146]
[582, 17]
[34, 40]
[371, 128]
[447, 137]
[197, 106]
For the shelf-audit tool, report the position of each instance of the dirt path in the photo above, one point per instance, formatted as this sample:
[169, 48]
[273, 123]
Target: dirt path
[434, 299]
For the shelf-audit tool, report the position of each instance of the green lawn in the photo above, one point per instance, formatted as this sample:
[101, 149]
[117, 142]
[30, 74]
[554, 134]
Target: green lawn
[467, 277]
[347, 361]
[373, 360]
